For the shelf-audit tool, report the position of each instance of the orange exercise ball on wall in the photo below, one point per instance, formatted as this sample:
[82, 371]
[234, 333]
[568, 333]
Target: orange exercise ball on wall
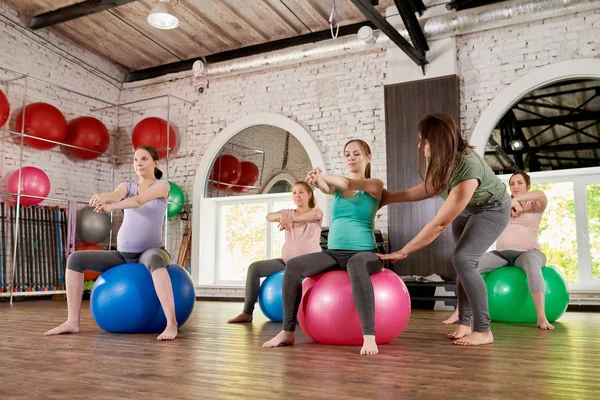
[153, 132]
[89, 133]
[42, 120]
[248, 177]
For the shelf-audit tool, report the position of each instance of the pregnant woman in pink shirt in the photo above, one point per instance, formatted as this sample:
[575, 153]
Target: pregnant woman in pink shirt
[302, 236]
[518, 243]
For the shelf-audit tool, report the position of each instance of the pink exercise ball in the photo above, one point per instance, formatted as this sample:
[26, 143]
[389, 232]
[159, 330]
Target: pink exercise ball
[34, 182]
[328, 315]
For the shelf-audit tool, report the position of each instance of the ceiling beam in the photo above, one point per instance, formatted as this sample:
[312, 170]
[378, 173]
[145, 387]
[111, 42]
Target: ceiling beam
[418, 6]
[411, 23]
[563, 92]
[186, 65]
[74, 11]
[553, 149]
[550, 106]
[561, 120]
[388, 29]
[543, 117]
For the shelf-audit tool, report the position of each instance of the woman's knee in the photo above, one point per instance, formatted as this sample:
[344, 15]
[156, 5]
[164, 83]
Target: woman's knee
[531, 259]
[154, 259]
[75, 262]
[364, 262]
[294, 267]
[463, 261]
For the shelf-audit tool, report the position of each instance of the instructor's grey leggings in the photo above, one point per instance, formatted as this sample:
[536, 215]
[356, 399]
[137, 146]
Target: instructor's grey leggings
[102, 260]
[257, 270]
[360, 266]
[475, 230]
[531, 261]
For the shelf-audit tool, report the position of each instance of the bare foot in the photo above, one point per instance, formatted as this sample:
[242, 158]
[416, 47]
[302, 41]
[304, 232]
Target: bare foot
[169, 333]
[242, 318]
[544, 325]
[459, 332]
[476, 339]
[283, 338]
[66, 327]
[451, 319]
[369, 347]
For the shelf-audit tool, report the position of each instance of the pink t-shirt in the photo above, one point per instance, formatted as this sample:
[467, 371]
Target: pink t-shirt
[521, 232]
[303, 238]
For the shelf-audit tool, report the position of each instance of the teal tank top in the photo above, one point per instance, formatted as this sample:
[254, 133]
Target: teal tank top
[352, 222]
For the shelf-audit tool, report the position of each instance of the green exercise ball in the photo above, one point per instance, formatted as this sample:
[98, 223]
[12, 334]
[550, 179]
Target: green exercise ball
[509, 298]
[176, 200]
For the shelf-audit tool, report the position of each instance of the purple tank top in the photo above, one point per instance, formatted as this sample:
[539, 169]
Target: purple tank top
[142, 227]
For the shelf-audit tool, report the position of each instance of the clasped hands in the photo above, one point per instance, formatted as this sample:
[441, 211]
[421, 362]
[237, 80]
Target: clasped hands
[98, 201]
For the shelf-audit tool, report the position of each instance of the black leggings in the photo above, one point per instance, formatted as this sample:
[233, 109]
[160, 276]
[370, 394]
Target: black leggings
[359, 264]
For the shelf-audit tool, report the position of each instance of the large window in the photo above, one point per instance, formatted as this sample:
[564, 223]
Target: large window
[592, 196]
[558, 232]
[570, 229]
[245, 235]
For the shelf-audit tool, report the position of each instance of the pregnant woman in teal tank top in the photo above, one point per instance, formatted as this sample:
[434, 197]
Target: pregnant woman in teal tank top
[351, 244]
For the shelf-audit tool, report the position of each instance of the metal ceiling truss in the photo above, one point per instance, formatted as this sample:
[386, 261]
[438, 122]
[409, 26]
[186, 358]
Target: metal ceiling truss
[529, 156]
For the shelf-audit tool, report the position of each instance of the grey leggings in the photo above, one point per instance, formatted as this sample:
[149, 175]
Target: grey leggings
[102, 260]
[475, 230]
[531, 261]
[257, 270]
[359, 264]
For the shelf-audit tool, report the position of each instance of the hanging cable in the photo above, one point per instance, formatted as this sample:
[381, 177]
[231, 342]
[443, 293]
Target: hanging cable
[334, 19]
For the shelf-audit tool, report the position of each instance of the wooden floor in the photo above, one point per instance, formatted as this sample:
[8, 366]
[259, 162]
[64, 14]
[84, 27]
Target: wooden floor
[215, 360]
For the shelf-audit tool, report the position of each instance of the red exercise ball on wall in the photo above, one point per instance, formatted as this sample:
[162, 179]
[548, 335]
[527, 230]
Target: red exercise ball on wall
[87, 132]
[227, 169]
[4, 109]
[44, 121]
[34, 182]
[248, 177]
[153, 132]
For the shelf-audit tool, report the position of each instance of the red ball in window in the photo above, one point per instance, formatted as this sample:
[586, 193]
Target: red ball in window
[248, 177]
[227, 169]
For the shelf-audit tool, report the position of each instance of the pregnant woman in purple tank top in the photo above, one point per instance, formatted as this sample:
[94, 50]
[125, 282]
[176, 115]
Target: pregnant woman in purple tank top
[144, 204]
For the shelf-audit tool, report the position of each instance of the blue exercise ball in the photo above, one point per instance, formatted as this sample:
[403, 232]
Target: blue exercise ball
[123, 299]
[270, 298]
[184, 294]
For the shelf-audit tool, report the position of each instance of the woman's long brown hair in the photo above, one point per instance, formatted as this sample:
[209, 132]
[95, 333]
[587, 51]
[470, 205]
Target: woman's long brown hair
[445, 142]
